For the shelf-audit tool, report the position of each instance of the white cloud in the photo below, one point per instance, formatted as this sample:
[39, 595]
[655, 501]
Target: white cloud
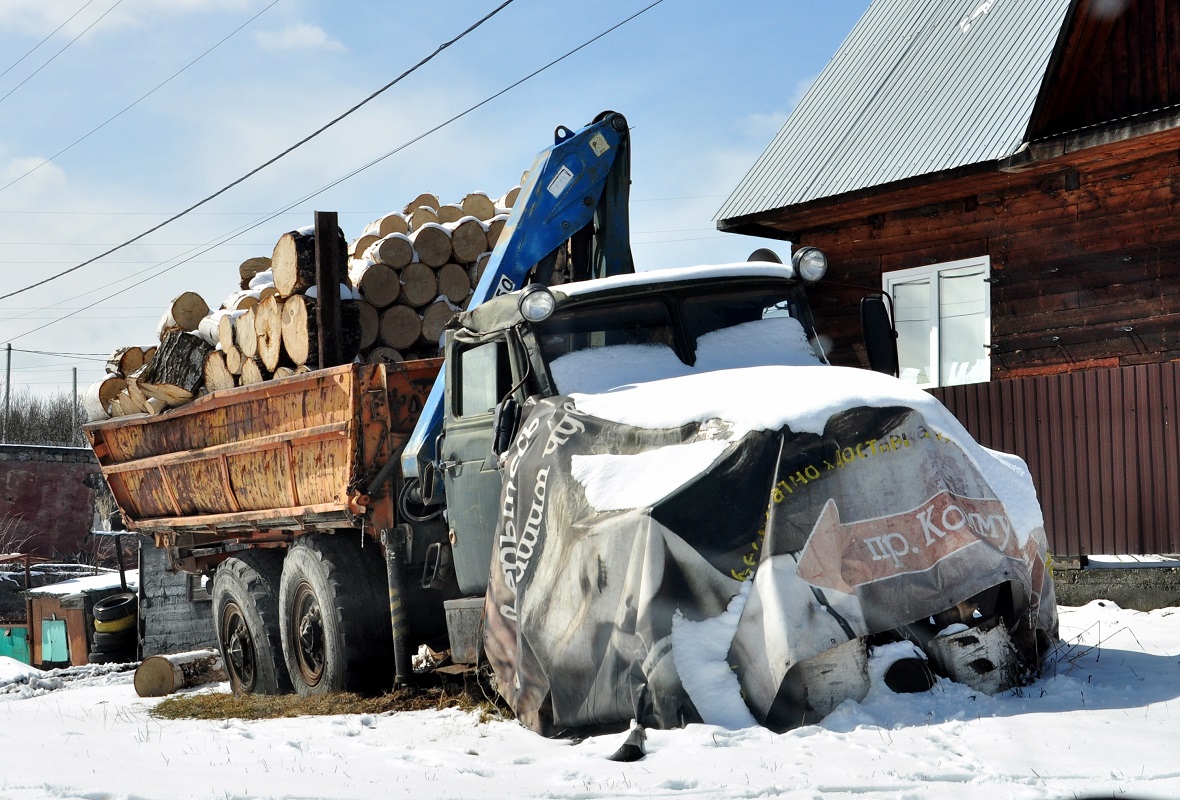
[300, 36]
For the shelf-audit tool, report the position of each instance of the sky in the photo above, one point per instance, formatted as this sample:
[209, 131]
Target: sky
[203, 91]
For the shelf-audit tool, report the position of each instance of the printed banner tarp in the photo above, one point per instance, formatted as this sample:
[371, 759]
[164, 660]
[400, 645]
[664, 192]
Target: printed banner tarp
[612, 535]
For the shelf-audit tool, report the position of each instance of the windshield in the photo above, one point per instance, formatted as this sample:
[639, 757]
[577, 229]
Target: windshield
[596, 347]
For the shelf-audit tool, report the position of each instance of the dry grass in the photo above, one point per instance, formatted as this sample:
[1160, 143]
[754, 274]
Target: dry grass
[227, 706]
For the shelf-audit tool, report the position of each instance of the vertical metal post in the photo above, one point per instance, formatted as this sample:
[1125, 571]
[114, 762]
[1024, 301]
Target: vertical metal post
[119, 557]
[329, 269]
[394, 543]
[7, 391]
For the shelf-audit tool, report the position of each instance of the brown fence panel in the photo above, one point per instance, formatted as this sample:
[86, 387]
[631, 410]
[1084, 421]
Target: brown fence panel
[1103, 447]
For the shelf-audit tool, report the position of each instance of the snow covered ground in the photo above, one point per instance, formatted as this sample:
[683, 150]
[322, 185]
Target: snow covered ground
[1101, 723]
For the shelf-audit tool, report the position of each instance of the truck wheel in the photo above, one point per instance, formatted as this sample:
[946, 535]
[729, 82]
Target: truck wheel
[246, 612]
[335, 616]
[115, 606]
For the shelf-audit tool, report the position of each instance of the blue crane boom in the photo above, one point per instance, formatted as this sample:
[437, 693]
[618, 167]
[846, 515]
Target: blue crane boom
[576, 189]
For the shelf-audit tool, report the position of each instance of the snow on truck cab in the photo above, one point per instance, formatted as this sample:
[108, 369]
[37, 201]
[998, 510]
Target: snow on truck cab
[635, 495]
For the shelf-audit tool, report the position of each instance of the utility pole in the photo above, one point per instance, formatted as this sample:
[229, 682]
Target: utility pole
[7, 390]
[74, 410]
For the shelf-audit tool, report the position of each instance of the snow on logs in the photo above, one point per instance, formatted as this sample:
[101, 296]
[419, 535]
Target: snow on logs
[409, 272]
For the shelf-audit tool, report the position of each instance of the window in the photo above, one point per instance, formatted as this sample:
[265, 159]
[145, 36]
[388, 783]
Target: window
[484, 378]
[943, 318]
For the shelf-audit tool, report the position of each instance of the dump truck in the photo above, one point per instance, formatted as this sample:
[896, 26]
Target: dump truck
[540, 500]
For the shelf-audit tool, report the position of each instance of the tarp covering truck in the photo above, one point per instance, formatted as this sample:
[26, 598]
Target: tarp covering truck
[636, 496]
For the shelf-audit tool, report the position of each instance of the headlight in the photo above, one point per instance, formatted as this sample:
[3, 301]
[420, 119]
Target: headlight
[536, 303]
[810, 263]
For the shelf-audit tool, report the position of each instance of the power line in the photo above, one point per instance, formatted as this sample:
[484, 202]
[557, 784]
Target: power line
[137, 102]
[59, 52]
[46, 39]
[249, 227]
[266, 164]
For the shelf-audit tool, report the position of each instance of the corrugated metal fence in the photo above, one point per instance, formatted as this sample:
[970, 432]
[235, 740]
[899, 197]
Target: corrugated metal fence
[1103, 447]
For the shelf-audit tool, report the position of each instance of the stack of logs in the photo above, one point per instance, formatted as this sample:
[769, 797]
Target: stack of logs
[408, 273]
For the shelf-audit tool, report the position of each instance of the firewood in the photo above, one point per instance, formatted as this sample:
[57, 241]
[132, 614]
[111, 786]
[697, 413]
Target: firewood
[179, 363]
[217, 374]
[251, 372]
[479, 205]
[246, 334]
[450, 212]
[225, 329]
[393, 222]
[434, 322]
[384, 355]
[508, 199]
[370, 324]
[293, 262]
[283, 372]
[495, 228]
[302, 369]
[96, 399]
[432, 243]
[215, 327]
[299, 330]
[475, 271]
[162, 675]
[418, 285]
[184, 313]
[468, 239]
[149, 353]
[422, 216]
[251, 267]
[242, 299]
[454, 283]
[233, 359]
[361, 245]
[376, 283]
[395, 250]
[125, 360]
[400, 326]
[427, 199]
[268, 324]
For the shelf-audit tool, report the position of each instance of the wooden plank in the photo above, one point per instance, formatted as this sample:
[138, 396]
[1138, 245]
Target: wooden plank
[262, 518]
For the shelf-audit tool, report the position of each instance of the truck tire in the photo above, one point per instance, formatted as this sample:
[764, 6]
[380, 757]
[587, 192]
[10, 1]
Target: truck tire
[115, 625]
[335, 616]
[115, 606]
[111, 642]
[246, 613]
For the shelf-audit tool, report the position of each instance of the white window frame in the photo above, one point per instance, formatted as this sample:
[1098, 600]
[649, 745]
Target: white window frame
[932, 272]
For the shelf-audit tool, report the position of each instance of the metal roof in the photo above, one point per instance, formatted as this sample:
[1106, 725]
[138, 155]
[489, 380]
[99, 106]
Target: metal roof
[919, 86]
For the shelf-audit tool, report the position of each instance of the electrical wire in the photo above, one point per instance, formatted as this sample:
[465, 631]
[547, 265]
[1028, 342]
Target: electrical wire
[258, 223]
[267, 163]
[59, 52]
[137, 102]
[46, 39]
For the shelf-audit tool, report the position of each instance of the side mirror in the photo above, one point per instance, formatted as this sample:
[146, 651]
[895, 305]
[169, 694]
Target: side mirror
[504, 425]
[879, 336]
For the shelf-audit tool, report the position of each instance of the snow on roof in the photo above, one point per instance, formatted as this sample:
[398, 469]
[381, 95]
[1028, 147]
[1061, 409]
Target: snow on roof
[89, 583]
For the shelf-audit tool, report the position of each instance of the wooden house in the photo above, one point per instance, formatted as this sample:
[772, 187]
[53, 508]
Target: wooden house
[1009, 172]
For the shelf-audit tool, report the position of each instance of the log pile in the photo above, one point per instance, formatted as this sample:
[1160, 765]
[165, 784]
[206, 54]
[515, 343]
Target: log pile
[408, 273]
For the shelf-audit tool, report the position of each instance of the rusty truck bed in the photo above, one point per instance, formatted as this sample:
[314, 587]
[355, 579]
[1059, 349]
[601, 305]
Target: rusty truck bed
[287, 455]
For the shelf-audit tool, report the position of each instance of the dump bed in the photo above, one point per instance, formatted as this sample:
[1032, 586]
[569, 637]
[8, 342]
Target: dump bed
[299, 453]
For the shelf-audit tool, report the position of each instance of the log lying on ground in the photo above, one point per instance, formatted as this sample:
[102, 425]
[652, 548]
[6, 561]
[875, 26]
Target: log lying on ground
[251, 267]
[184, 313]
[96, 399]
[376, 283]
[217, 374]
[162, 675]
[125, 360]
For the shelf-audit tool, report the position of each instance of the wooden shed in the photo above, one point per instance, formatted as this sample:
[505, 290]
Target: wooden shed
[61, 620]
[1009, 171]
